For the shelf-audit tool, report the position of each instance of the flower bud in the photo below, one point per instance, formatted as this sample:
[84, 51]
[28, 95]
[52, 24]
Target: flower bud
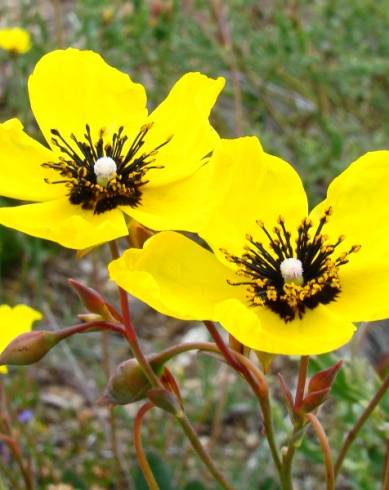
[164, 399]
[29, 347]
[128, 383]
[319, 387]
[324, 379]
[92, 300]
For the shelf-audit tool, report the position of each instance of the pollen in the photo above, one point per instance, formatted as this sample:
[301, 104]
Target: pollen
[291, 277]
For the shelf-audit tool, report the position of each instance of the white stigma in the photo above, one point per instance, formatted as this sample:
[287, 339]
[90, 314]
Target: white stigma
[292, 271]
[105, 168]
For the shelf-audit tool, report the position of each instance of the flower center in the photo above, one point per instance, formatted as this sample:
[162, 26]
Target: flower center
[104, 168]
[290, 278]
[101, 174]
[292, 271]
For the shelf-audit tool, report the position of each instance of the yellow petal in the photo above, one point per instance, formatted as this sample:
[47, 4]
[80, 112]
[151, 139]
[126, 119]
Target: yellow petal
[15, 39]
[360, 212]
[359, 200]
[71, 88]
[182, 205]
[13, 322]
[21, 157]
[175, 276]
[183, 115]
[317, 332]
[252, 185]
[64, 223]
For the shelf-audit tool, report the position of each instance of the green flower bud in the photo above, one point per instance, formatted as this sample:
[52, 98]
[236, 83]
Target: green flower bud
[29, 347]
[128, 383]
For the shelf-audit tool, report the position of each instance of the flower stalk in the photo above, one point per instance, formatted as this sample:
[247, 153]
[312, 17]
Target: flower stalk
[351, 436]
[130, 330]
[201, 452]
[258, 383]
[325, 447]
[302, 378]
[139, 451]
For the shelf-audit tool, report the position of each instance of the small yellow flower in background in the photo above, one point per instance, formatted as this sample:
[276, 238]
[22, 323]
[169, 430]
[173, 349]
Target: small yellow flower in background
[15, 39]
[281, 280]
[15, 321]
[107, 156]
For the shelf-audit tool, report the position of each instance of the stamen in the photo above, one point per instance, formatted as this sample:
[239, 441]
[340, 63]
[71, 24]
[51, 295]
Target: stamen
[290, 278]
[100, 174]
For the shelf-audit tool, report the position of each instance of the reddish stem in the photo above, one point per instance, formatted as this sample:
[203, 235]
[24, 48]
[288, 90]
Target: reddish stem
[302, 378]
[257, 381]
[130, 329]
[139, 451]
[325, 447]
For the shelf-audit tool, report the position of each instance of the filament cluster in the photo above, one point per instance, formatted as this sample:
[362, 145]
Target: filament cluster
[260, 265]
[77, 167]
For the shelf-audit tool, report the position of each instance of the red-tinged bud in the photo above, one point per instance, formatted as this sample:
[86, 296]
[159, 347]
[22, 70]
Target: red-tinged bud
[314, 400]
[287, 395]
[166, 400]
[29, 347]
[324, 379]
[138, 234]
[319, 387]
[170, 383]
[92, 300]
[128, 382]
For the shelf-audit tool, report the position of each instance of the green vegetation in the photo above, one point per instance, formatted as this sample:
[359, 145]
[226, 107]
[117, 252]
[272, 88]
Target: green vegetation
[311, 80]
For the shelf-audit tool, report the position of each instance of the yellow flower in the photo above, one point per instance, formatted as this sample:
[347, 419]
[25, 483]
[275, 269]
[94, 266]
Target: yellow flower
[13, 322]
[107, 156]
[15, 39]
[291, 283]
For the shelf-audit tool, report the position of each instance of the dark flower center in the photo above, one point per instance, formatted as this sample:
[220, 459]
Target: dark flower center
[291, 278]
[103, 175]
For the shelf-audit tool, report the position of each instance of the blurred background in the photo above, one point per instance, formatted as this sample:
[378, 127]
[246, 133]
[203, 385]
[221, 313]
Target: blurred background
[310, 79]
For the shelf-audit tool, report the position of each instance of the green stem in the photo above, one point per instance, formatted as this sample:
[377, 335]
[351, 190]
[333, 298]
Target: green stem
[359, 424]
[257, 381]
[201, 452]
[287, 459]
